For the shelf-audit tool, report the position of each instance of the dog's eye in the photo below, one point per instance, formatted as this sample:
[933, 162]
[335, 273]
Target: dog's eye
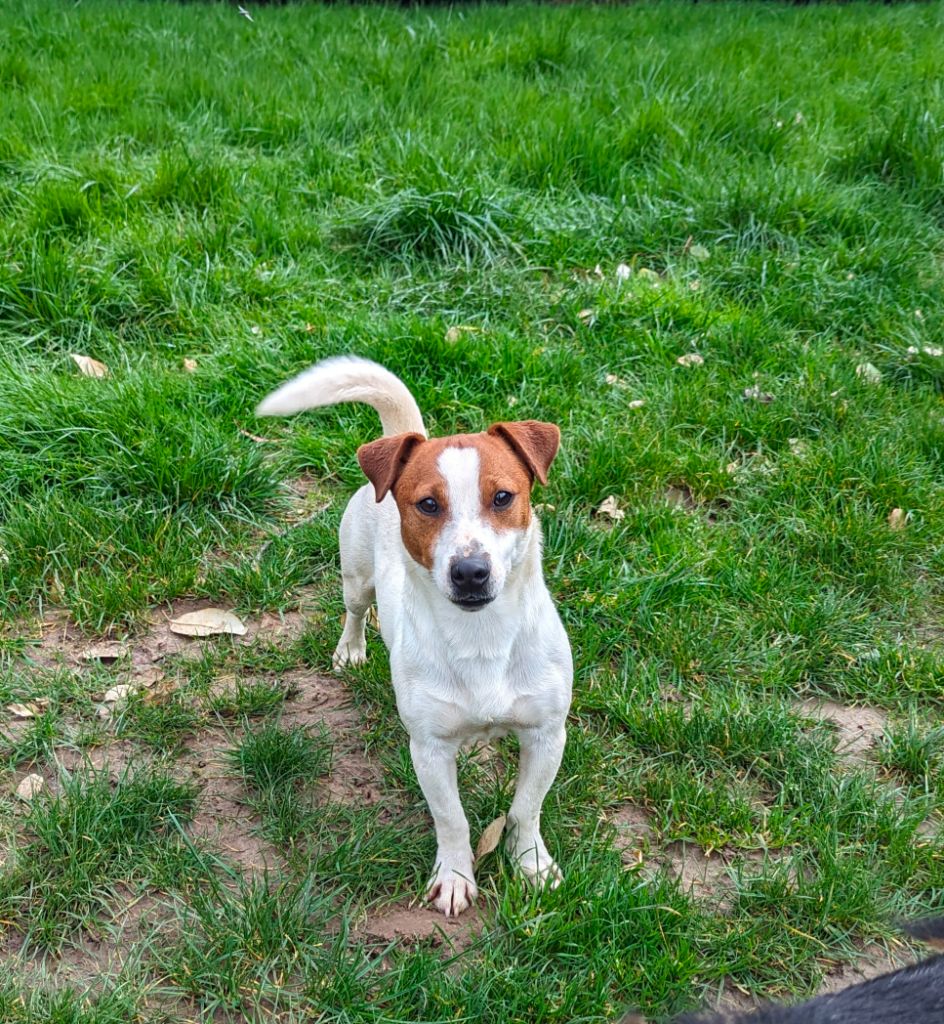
[428, 506]
[503, 499]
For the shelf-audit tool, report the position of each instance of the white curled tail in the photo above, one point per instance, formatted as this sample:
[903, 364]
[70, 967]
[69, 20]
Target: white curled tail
[349, 379]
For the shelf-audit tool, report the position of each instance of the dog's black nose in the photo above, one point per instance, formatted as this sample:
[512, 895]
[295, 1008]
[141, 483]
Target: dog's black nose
[469, 576]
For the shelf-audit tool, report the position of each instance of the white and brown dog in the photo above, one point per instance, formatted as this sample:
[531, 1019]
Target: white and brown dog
[447, 544]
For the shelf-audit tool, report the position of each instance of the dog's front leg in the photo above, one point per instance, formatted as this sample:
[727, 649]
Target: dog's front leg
[541, 753]
[452, 888]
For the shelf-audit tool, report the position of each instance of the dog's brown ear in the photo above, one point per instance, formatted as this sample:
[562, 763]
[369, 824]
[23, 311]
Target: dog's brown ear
[383, 460]
[534, 442]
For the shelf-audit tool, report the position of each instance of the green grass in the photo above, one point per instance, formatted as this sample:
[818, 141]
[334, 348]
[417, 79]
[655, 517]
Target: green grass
[178, 182]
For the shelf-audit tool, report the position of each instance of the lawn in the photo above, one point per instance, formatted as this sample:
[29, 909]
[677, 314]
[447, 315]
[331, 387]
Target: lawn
[708, 241]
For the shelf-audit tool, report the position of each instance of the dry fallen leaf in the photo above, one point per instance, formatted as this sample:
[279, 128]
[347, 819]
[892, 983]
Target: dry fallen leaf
[30, 710]
[755, 394]
[690, 359]
[623, 272]
[610, 507]
[454, 334]
[90, 367]
[798, 447]
[869, 373]
[897, 519]
[586, 316]
[543, 506]
[490, 838]
[110, 651]
[615, 381]
[118, 693]
[30, 787]
[256, 437]
[207, 622]
[190, 365]
[147, 677]
[636, 403]
[699, 252]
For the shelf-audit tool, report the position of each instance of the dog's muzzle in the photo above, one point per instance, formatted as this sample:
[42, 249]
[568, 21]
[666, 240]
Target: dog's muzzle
[470, 578]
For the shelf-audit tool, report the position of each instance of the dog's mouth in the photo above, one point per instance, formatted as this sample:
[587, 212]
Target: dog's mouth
[471, 604]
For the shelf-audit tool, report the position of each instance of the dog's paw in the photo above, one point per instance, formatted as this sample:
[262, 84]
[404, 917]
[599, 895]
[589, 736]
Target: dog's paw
[349, 654]
[535, 863]
[452, 890]
[547, 875]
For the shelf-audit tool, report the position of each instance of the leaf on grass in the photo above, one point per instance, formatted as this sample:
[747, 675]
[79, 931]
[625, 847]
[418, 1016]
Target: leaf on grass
[623, 272]
[90, 367]
[699, 252]
[190, 365]
[897, 519]
[798, 447]
[454, 334]
[256, 437]
[636, 403]
[118, 693]
[490, 837]
[690, 359]
[615, 381]
[868, 372]
[28, 710]
[587, 317]
[207, 622]
[610, 507]
[647, 274]
[30, 787]
[755, 394]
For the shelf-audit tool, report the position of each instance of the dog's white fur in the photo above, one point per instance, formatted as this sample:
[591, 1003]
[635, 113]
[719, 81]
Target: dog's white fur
[459, 677]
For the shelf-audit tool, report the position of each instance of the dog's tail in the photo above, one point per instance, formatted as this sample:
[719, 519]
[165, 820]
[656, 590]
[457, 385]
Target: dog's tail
[349, 379]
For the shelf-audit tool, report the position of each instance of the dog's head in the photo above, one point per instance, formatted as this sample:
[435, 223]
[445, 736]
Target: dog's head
[464, 501]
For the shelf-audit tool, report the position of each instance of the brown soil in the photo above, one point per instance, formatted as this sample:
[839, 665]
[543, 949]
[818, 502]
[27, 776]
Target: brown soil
[859, 728]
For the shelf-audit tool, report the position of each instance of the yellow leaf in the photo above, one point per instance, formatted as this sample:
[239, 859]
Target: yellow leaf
[90, 367]
[490, 837]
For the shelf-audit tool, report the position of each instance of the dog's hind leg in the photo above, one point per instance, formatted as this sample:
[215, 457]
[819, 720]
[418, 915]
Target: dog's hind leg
[357, 578]
[358, 597]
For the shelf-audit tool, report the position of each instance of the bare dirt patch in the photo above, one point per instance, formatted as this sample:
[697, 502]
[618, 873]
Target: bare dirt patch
[858, 727]
[55, 640]
[712, 876]
[415, 923]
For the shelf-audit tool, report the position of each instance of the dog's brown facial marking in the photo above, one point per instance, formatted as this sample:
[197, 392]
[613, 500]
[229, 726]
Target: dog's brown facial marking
[422, 497]
[458, 496]
[505, 485]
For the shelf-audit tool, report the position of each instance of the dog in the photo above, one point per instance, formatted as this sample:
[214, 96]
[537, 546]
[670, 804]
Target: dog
[444, 539]
[912, 995]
